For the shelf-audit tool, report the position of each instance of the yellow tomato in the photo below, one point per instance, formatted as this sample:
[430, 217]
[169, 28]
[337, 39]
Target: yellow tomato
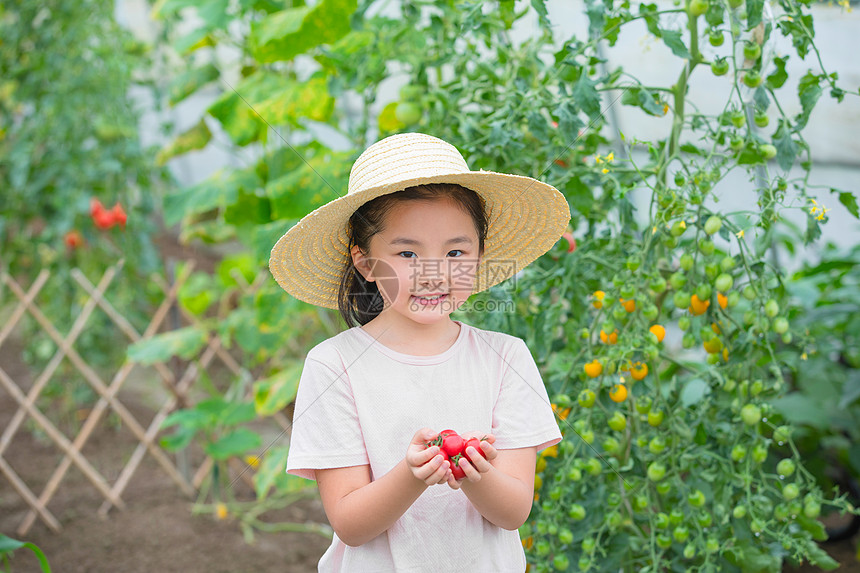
[609, 338]
[697, 306]
[594, 368]
[658, 331]
[598, 298]
[618, 393]
[550, 452]
[713, 345]
[221, 511]
[629, 305]
[639, 371]
[722, 300]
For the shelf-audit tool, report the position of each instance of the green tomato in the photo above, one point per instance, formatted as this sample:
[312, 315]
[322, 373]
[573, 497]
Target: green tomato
[655, 417]
[759, 453]
[643, 404]
[678, 228]
[411, 93]
[640, 503]
[681, 534]
[739, 512]
[696, 498]
[756, 525]
[576, 512]
[611, 445]
[407, 113]
[664, 541]
[681, 299]
[781, 434]
[698, 7]
[542, 547]
[561, 562]
[689, 551]
[752, 50]
[684, 323]
[738, 118]
[565, 536]
[574, 474]
[716, 38]
[704, 519]
[811, 509]
[678, 280]
[749, 292]
[586, 398]
[790, 491]
[781, 512]
[588, 545]
[584, 563]
[703, 291]
[593, 467]
[785, 467]
[739, 452]
[733, 299]
[752, 79]
[686, 262]
[751, 414]
[676, 516]
[761, 119]
[712, 545]
[780, 325]
[767, 151]
[657, 445]
[720, 66]
[727, 263]
[771, 308]
[713, 224]
[658, 285]
[587, 436]
[661, 521]
[656, 471]
[664, 488]
[706, 247]
[724, 282]
[617, 421]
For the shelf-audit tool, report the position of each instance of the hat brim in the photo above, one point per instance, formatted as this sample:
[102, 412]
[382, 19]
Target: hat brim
[525, 219]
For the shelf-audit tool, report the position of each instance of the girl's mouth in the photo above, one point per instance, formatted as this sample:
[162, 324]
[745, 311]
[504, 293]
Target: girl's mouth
[429, 301]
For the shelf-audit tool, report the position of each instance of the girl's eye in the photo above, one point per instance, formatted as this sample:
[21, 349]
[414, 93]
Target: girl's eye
[407, 253]
[456, 251]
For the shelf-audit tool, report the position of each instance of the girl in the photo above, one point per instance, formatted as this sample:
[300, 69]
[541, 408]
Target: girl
[416, 234]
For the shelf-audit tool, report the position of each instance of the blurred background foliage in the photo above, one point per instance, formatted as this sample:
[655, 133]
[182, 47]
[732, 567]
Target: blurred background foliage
[303, 89]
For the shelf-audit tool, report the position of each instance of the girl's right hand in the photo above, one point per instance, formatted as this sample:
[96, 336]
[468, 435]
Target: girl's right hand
[427, 464]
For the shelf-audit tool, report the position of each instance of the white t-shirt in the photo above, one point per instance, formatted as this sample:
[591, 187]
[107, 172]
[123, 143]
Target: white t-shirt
[360, 402]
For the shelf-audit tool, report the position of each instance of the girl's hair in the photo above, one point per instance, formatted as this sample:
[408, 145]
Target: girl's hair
[360, 301]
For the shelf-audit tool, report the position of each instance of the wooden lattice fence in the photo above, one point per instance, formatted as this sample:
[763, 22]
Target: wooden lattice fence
[178, 382]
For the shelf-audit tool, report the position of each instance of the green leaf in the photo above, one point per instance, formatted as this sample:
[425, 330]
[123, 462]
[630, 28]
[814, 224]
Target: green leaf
[754, 10]
[586, 96]
[808, 90]
[274, 393]
[234, 443]
[219, 190]
[178, 440]
[288, 33]
[318, 180]
[249, 210]
[799, 409]
[272, 472]
[195, 138]
[644, 99]
[786, 148]
[8, 545]
[293, 100]
[190, 418]
[185, 343]
[672, 38]
[199, 38]
[818, 557]
[189, 82]
[778, 77]
[848, 200]
[693, 392]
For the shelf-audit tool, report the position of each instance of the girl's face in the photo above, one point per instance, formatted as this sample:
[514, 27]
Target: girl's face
[424, 261]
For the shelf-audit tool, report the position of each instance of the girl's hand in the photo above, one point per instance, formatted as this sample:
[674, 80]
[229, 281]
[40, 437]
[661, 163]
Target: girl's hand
[427, 464]
[479, 466]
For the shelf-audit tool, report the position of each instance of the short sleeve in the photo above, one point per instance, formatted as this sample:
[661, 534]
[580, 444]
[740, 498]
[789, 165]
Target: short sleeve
[522, 415]
[326, 432]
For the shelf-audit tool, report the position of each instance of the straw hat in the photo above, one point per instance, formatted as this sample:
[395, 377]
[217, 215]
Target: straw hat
[525, 217]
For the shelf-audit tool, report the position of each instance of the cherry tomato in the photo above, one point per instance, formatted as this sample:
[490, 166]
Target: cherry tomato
[453, 444]
[475, 443]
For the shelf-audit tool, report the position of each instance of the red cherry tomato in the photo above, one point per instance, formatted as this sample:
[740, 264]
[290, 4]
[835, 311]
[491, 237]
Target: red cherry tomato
[475, 443]
[453, 444]
[459, 473]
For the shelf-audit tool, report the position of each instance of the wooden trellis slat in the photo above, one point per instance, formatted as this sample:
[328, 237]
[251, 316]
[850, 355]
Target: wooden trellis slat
[178, 390]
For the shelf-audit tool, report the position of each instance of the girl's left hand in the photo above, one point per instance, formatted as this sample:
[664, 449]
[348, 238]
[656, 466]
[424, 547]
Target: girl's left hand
[480, 466]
